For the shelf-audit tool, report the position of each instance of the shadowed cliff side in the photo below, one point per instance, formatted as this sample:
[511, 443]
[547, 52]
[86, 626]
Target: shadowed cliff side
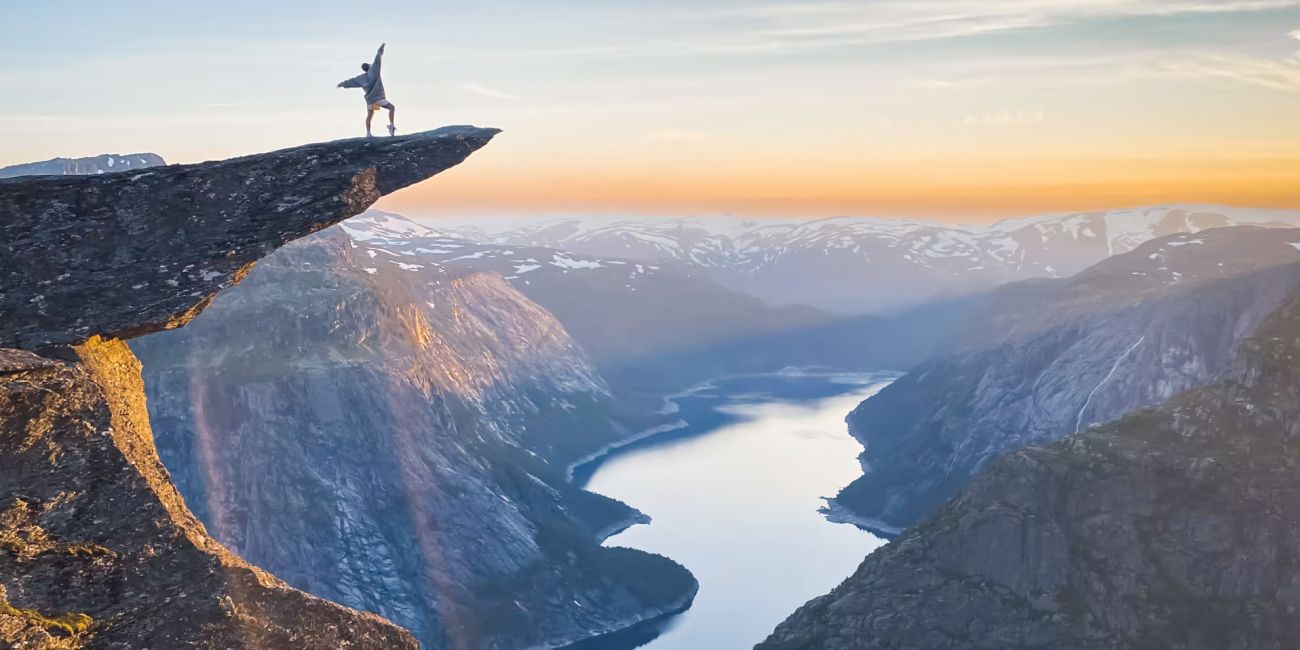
[391, 435]
[93, 534]
[97, 549]
[1043, 359]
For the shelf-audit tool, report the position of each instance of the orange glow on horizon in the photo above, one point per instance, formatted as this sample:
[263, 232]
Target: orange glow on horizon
[952, 190]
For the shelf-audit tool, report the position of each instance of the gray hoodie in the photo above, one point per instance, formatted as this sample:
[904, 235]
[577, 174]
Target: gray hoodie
[370, 81]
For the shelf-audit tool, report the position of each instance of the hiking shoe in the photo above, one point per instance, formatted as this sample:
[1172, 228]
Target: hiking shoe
[392, 130]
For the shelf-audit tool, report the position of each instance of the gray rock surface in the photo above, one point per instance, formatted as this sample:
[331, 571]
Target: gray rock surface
[124, 254]
[1175, 527]
[1042, 359]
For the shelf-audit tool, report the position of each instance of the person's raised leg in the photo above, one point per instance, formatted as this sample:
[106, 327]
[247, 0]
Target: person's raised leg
[392, 119]
[370, 115]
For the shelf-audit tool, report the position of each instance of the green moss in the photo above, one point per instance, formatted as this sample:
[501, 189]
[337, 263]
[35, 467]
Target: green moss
[70, 623]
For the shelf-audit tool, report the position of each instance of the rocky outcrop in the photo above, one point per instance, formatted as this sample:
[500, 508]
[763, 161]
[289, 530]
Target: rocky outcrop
[389, 433]
[1043, 359]
[104, 164]
[120, 255]
[97, 549]
[1176, 527]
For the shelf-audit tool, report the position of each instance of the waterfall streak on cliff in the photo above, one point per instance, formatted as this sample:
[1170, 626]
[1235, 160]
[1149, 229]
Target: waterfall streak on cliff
[1078, 423]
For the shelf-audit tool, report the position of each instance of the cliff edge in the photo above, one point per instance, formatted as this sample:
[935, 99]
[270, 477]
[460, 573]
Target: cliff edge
[97, 549]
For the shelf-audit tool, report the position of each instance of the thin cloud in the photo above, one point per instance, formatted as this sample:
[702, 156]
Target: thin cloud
[22, 118]
[841, 23]
[484, 91]
[1006, 117]
[792, 27]
[675, 135]
[1283, 75]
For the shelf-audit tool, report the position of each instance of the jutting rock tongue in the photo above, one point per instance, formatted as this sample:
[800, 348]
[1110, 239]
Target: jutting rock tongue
[120, 255]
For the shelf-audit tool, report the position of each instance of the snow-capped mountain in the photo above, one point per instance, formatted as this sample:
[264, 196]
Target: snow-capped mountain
[77, 166]
[851, 265]
[627, 314]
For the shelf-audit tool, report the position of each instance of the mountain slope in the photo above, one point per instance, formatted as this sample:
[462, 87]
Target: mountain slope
[389, 433]
[856, 265]
[1176, 527]
[1043, 359]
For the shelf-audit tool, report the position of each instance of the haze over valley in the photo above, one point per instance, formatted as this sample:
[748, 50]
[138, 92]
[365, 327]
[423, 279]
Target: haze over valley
[786, 325]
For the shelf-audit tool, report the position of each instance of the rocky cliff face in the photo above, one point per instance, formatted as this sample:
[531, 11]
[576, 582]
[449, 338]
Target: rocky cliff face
[97, 549]
[389, 433]
[1176, 527]
[105, 164]
[1043, 359]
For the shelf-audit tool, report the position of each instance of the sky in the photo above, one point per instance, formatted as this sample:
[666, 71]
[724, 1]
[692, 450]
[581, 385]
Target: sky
[961, 110]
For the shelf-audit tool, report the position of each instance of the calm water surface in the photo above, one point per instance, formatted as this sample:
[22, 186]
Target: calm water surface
[734, 497]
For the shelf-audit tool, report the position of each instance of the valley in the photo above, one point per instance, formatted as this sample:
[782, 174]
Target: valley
[466, 433]
[824, 325]
[750, 464]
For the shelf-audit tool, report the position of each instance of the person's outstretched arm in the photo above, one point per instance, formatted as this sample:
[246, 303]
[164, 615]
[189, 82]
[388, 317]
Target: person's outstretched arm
[373, 73]
[355, 82]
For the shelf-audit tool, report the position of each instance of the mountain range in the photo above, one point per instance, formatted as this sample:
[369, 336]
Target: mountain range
[1091, 447]
[879, 265]
[104, 164]
[1041, 359]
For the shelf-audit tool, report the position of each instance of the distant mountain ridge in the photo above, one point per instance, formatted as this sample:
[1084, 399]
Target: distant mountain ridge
[102, 164]
[1041, 359]
[857, 265]
[658, 325]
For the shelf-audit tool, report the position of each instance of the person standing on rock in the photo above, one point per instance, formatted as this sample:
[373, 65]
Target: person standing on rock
[370, 81]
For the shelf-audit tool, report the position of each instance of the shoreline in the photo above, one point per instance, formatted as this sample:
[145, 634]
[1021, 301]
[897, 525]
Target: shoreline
[635, 519]
[608, 449]
[670, 406]
[656, 617]
[838, 514]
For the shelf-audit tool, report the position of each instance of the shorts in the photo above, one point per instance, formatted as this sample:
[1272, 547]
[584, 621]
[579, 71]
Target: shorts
[383, 103]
